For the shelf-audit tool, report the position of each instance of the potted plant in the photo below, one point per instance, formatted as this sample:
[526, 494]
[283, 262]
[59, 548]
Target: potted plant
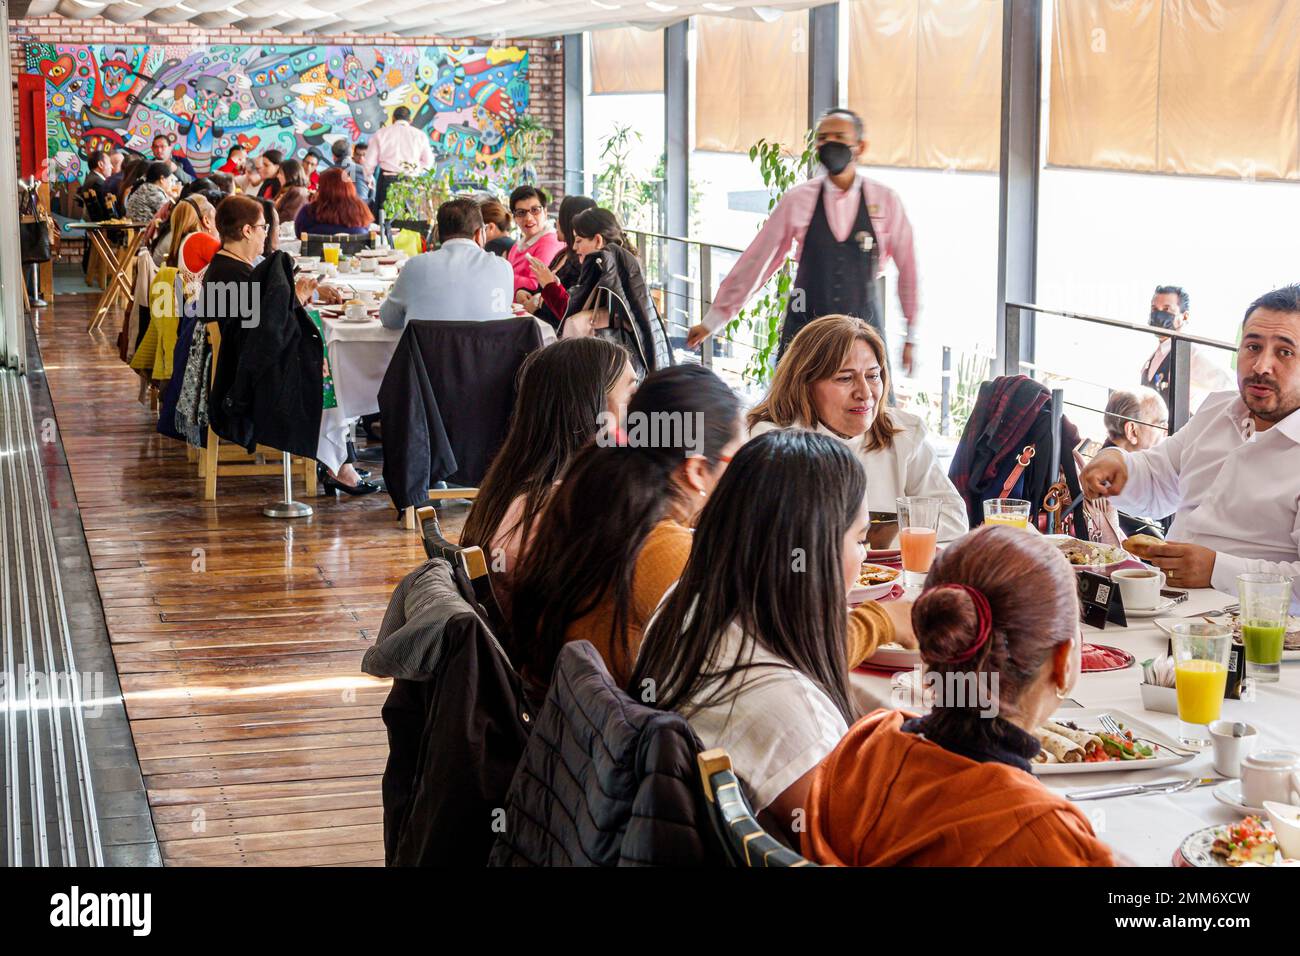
[412, 202]
[527, 143]
[781, 170]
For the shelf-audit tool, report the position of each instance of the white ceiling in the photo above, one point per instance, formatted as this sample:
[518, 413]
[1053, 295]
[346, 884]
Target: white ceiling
[413, 18]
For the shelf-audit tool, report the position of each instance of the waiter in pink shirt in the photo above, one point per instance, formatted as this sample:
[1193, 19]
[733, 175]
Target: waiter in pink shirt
[846, 227]
[399, 149]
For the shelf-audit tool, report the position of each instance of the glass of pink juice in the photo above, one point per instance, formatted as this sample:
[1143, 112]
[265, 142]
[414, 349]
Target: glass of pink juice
[918, 533]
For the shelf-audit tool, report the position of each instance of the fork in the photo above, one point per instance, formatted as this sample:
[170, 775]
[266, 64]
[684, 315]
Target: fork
[1111, 726]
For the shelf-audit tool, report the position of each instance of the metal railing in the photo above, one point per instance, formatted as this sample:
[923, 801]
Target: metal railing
[686, 273]
[1180, 351]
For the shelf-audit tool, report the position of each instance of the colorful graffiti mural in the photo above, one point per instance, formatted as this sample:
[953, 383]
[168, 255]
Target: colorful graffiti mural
[291, 98]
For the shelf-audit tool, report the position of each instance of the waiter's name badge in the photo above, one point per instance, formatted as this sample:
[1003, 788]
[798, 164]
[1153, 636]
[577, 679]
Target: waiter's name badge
[873, 210]
[864, 240]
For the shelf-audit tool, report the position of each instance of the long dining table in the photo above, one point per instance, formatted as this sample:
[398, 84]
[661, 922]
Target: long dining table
[1147, 829]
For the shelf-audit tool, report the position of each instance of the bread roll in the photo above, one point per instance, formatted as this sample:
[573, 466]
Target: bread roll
[1139, 543]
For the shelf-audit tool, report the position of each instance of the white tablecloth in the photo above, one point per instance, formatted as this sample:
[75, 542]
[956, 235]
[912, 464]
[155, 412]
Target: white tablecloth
[1148, 829]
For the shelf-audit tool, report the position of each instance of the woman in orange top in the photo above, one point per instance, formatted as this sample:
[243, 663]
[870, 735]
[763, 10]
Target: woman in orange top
[954, 788]
[616, 532]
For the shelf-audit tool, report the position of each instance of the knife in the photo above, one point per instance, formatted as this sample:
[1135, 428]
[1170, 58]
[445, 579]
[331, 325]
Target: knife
[1166, 786]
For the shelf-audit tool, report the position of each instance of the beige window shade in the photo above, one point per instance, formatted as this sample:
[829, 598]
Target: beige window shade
[926, 77]
[1192, 87]
[751, 82]
[628, 60]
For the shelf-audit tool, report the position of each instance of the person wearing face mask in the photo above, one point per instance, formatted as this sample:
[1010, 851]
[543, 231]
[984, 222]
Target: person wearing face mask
[846, 227]
[1170, 305]
[1227, 476]
[459, 281]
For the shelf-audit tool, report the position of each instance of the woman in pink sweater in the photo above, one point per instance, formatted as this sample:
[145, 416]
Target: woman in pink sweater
[536, 236]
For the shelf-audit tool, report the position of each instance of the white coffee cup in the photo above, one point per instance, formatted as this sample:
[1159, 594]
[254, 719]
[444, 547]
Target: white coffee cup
[357, 312]
[369, 264]
[1140, 587]
[1270, 775]
[1229, 751]
[367, 296]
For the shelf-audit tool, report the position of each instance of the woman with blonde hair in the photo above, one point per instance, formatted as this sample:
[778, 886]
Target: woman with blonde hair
[833, 379]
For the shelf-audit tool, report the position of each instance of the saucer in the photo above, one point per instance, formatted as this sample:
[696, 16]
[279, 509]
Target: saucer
[1147, 612]
[1229, 794]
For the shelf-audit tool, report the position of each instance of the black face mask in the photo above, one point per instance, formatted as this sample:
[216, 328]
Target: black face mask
[835, 156]
[1162, 320]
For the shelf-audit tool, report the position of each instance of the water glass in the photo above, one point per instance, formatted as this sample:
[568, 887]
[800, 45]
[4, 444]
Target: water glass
[1265, 605]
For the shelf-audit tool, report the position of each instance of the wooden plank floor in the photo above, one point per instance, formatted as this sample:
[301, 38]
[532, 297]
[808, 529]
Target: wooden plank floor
[238, 638]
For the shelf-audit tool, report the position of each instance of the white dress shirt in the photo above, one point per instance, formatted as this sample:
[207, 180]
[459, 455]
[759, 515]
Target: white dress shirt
[1231, 488]
[399, 148]
[909, 467]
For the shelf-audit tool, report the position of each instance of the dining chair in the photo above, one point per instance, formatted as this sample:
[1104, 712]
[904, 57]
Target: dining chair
[472, 561]
[747, 843]
[219, 460]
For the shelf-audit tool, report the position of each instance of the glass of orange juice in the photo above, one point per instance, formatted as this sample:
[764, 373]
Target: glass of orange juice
[1009, 511]
[1200, 677]
[918, 531]
[329, 252]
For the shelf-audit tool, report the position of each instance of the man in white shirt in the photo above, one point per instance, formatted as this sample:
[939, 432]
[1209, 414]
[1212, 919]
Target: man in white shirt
[459, 282]
[399, 149]
[1171, 309]
[1230, 475]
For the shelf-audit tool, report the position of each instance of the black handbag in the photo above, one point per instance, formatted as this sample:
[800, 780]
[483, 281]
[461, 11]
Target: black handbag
[33, 228]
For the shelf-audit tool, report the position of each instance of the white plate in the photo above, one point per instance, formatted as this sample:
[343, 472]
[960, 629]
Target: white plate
[1195, 850]
[893, 657]
[1229, 794]
[872, 592]
[1088, 718]
[1166, 624]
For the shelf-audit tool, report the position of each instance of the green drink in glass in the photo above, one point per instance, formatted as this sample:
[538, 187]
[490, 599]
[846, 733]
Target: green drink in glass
[1265, 604]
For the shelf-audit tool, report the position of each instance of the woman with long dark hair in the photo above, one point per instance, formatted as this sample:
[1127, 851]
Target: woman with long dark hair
[751, 646]
[998, 625]
[336, 209]
[563, 389]
[292, 196]
[615, 534]
[563, 269]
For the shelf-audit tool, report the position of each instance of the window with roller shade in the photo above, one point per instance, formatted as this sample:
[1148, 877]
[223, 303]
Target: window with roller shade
[926, 77]
[1190, 87]
[751, 82]
[628, 60]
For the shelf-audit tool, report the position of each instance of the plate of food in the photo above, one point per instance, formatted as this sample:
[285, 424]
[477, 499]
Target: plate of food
[1090, 555]
[893, 657]
[1248, 843]
[1102, 657]
[874, 582]
[1076, 741]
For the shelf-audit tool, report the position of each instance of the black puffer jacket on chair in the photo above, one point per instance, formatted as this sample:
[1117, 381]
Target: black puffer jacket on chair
[605, 781]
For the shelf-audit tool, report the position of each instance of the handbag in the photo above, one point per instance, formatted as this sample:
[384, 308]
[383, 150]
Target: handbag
[35, 228]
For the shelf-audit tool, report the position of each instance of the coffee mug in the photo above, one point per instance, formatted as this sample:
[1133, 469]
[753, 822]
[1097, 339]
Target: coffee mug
[1229, 751]
[1139, 587]
[369, 264]
[1270, 775]
[356, 312]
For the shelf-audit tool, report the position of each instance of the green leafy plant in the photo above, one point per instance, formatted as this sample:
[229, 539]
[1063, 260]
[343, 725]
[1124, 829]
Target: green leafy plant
[636, 199]
[781, 169]
[418, 197]
[972, 371]
[527, 143]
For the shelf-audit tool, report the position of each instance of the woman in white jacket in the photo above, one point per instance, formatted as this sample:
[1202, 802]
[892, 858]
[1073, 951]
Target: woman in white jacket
[832, 379]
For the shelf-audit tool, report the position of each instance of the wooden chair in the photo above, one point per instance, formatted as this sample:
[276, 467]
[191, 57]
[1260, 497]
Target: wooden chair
[225, 461]
[471, 560]
[747, 843]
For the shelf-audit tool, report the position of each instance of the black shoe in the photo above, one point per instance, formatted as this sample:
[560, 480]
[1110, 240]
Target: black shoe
[332, 486]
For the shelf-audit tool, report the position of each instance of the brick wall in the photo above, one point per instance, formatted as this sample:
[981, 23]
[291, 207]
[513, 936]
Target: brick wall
[545, 72]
